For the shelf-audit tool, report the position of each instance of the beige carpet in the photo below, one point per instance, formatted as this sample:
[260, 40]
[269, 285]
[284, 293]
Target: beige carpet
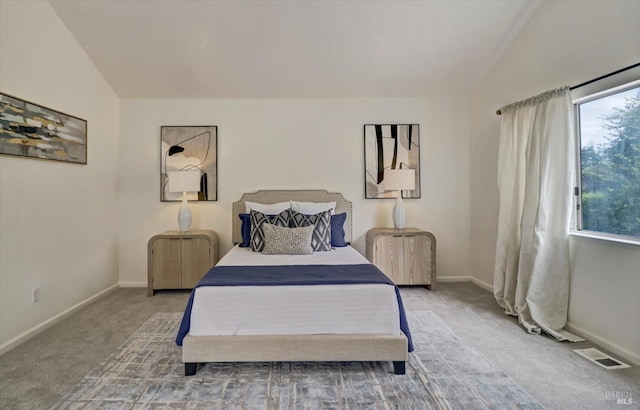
[30, 374]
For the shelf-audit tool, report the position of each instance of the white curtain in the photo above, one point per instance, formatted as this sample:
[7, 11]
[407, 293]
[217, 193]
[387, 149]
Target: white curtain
[535, 184]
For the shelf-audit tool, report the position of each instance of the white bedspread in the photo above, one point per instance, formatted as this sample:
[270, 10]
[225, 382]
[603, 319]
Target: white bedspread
[338, 256]
[301, 310]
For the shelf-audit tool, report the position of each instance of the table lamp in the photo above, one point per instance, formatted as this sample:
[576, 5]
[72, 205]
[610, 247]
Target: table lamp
[399, 180]
[184, 181]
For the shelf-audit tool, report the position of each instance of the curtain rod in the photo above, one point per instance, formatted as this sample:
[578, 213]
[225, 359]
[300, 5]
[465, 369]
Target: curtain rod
[499, 112]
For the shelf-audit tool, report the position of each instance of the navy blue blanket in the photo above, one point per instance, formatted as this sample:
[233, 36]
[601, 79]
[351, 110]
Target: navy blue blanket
[287, 275]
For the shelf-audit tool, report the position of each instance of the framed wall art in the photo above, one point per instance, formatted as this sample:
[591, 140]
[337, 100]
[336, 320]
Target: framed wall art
[34, 131]
[190, 148]
[386, 147]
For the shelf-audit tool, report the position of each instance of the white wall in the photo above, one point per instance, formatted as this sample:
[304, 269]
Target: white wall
[564, 43]
[58, 221]
[273, 144]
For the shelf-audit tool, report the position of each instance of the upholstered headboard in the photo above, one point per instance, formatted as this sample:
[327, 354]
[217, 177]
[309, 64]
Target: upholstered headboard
[268, 196]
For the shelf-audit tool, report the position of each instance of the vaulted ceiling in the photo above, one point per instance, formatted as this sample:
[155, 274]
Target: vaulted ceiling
[293, 49]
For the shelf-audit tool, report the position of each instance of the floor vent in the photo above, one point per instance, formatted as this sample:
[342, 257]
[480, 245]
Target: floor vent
[601, 359]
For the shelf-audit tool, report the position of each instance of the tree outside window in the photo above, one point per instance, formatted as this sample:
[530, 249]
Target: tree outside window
[610, 163]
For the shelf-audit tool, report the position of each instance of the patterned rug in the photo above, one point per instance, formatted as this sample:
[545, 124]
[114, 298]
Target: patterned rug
[146, 371]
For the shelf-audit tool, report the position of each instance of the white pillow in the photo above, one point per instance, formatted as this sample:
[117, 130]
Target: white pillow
[312, 208]
[267, 209]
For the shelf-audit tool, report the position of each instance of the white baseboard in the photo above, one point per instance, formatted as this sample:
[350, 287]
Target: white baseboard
[473, 280]
[133, 284]
[482, 284]
[23, 337]
[453, 279]
[633, 357]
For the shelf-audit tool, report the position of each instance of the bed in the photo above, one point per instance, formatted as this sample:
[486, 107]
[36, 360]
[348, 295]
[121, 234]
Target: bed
[326, 306]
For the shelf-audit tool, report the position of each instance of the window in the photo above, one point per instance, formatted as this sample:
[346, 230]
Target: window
[608, 192]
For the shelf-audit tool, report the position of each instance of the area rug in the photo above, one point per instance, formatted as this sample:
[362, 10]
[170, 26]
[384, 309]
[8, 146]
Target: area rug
[443, 372]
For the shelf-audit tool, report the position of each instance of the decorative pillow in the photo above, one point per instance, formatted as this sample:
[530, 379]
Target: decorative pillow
[245, 230]
[267, 209]
[287, 241]
[337, 230]
[258, 219]
[311, 208]
[321, 238]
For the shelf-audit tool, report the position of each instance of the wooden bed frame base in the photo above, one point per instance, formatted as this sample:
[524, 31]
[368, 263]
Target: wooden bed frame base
[294, 348]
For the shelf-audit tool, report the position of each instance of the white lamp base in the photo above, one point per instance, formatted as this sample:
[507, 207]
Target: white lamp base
[184, 215]
[399, 213]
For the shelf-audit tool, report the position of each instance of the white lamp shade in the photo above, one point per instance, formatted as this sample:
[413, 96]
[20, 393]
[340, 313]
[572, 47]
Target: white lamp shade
[184, 181]
[399, 179]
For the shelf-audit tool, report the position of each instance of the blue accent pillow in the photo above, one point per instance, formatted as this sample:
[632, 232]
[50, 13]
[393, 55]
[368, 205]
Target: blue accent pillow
[337, 230]
[245, 230]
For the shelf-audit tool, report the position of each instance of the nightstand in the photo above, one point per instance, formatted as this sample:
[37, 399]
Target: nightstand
[179, 260]
[407, 256]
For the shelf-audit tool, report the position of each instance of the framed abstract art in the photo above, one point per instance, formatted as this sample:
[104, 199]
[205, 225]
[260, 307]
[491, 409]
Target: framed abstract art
[34, 131]
[189, 148]
[387, 147]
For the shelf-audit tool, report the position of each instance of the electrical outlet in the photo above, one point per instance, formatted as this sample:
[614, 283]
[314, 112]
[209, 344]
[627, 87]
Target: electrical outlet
[35, 295]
